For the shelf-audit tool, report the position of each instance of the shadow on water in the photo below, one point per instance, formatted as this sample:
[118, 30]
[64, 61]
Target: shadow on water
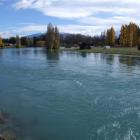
[35, 51]
[16, 52]
[1, 52]
[28, 51]
[109, 59]
[126, 60]
[49, 54]
[83, 54]
[52, 55]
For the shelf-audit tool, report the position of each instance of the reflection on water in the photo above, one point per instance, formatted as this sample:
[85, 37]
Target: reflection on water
[69, 95]
[129, 60]
[1, 52]
[83, 54]
[52, 55]
[107, 58]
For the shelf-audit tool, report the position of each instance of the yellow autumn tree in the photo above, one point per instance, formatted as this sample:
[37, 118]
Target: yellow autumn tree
[110, 37]
[1, 42]
[123, 36]
[129, 35]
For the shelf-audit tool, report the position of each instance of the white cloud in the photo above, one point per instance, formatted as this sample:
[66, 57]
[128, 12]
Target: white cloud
[96, 14]
[71, 28]
[79, 8]
[83, 29]
[91, 16]
[6, 34]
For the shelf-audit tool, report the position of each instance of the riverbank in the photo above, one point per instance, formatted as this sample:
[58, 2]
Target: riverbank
[124, 51]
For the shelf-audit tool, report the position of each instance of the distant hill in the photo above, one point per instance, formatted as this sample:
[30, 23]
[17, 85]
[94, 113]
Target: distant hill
[35, 35]
[38, 35]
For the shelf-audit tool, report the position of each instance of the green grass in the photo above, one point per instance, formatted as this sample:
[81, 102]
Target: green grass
[124, 51]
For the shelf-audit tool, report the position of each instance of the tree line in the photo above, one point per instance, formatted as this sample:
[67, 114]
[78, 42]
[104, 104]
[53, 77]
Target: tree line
[50, 40]
[129, 36]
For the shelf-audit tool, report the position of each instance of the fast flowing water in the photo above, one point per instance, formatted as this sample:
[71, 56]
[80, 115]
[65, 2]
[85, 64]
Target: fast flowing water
[70, 95]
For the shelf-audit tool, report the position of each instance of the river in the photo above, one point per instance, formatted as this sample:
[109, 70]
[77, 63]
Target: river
[70, 95]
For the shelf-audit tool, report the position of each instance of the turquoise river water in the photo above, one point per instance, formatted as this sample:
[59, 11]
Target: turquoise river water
[70, 95]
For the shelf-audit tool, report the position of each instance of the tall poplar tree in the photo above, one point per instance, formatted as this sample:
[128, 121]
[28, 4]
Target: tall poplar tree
[110, 37]
[52, 37]
[129, 35]
[1, 42]
[18, 41]
[56, 38]
[123, 36]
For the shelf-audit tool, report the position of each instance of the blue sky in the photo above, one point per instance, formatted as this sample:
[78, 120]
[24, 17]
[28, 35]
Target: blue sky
[74, 16]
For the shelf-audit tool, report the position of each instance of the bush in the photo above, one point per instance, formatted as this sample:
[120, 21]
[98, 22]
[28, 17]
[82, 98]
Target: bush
[84, 46]
[138, 48]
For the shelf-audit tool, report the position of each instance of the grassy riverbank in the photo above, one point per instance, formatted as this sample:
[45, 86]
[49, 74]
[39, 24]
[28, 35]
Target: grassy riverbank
[124, 51]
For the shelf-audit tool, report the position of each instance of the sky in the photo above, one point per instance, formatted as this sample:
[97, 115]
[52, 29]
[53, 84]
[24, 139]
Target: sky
[90, 17]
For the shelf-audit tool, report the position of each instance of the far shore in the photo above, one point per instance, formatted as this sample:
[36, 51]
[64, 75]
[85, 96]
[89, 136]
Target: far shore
[123, 51]
[114, 50]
